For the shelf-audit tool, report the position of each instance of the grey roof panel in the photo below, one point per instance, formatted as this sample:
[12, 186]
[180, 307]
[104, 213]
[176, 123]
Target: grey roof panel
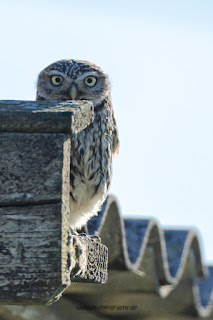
[164, 263]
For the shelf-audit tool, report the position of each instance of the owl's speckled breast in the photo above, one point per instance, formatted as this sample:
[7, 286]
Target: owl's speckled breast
[91, 162]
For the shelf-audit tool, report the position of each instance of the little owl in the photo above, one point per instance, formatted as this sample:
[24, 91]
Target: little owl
[92, 148]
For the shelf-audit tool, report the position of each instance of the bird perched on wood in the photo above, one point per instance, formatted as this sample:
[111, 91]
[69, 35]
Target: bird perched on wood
[92, 148]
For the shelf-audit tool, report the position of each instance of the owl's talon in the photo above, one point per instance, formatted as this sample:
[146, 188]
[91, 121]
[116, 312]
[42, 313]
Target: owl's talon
[96, 238]
[83, 234]
[72, 231]
[93, 237]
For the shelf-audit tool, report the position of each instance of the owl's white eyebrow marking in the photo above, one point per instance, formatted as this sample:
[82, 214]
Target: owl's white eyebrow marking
[56, 72]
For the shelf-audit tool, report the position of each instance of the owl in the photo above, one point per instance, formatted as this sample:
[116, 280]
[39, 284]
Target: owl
[93, 148]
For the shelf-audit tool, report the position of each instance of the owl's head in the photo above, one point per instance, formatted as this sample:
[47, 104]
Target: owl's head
[73, 80]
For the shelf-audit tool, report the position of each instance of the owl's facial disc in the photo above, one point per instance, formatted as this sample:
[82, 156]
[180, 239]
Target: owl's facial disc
[67, 80]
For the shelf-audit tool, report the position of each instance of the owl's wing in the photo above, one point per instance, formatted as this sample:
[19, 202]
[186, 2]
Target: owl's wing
[115, 136]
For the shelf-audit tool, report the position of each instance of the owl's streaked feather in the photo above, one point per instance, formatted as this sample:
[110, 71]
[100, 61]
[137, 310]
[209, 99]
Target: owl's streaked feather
[91, 149]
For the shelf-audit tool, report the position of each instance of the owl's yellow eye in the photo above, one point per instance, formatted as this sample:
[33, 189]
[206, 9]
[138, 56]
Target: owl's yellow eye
[90, 81]
[56, 80]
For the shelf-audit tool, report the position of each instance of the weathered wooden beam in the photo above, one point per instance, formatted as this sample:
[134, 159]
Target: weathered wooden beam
[38, 254]
[45, 116]
[32, 167]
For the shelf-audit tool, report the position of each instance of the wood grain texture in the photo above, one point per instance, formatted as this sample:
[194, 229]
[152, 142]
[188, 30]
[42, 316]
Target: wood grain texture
[30, 251]
[31, 167]
[45, 116]
[38, 254]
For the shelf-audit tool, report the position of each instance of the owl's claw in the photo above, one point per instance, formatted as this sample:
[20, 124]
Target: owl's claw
[83, 234]
[73, 232]
[96, 238]
[93, 237]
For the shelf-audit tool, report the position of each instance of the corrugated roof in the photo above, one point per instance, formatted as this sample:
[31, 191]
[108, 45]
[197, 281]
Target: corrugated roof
[153, 272]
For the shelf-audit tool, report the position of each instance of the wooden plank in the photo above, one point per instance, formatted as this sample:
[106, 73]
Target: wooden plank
[45, 116]
[30, 253]
[31, 167]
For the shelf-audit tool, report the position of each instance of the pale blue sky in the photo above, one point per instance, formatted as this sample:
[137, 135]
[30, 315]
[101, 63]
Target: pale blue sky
[159, 57]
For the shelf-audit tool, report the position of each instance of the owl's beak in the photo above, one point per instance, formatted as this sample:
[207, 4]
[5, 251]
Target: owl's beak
[73, 92]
